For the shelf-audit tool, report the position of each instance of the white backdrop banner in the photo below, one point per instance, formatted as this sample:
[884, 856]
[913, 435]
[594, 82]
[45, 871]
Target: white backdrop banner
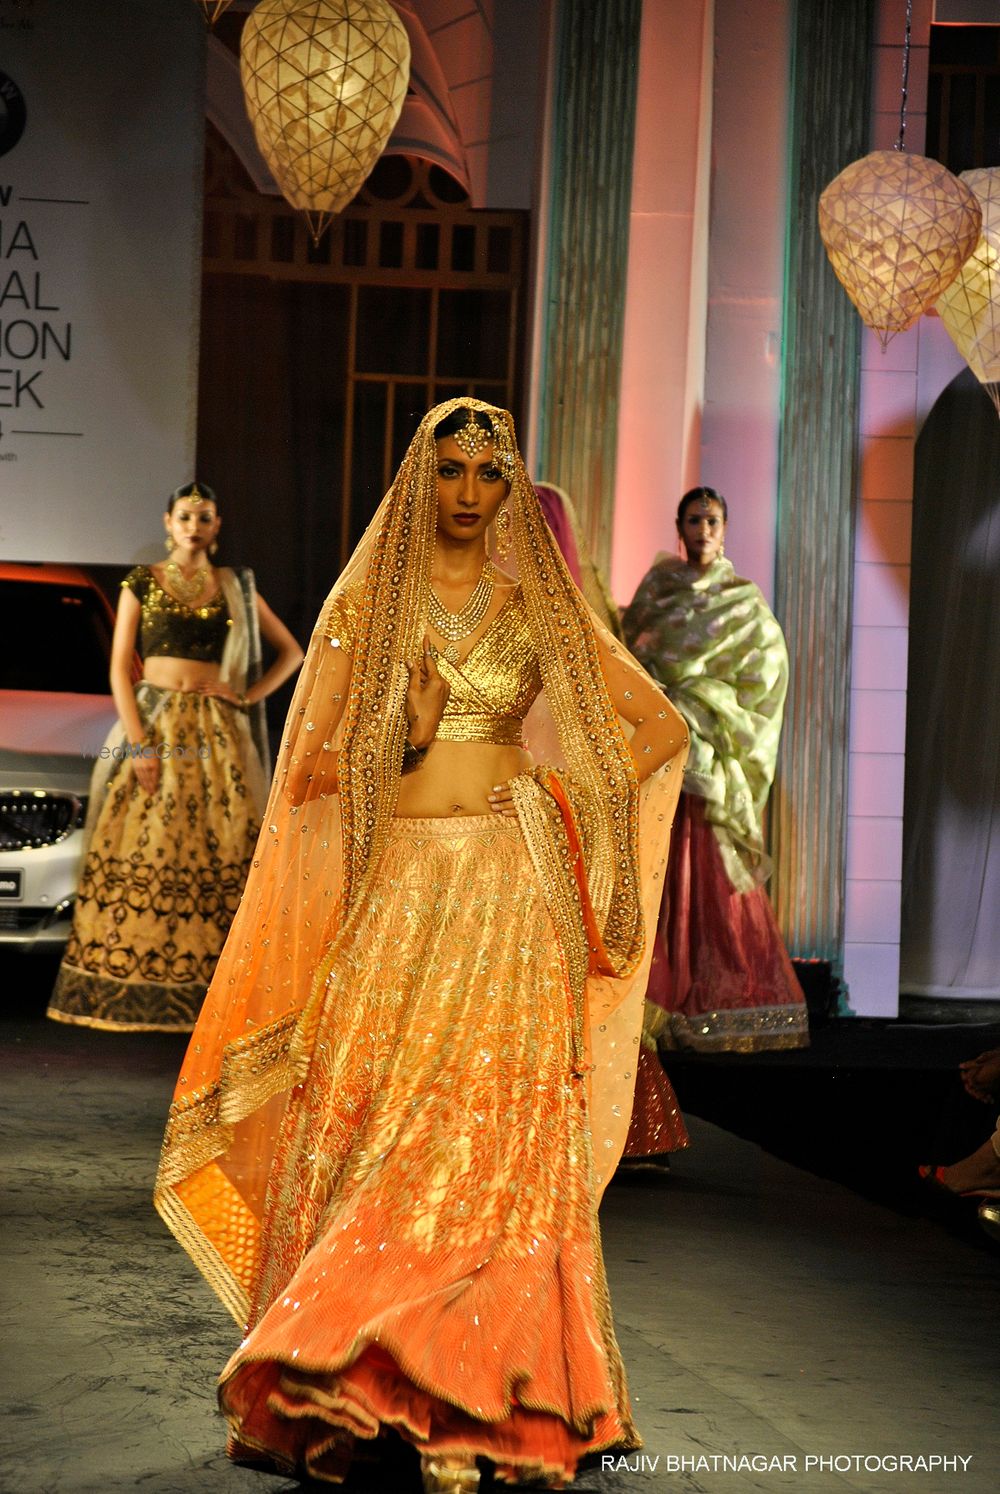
[101, 139]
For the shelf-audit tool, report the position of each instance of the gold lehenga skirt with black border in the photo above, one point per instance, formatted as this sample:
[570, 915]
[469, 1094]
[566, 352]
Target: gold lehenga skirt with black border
[164, 872]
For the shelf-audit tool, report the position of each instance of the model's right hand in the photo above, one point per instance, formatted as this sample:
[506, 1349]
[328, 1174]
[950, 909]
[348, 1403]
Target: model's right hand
[426, 698]
[147, 771]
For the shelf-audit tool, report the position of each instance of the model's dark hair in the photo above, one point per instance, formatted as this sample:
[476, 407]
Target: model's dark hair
[694, 495]
[459, 419]
[188, 490]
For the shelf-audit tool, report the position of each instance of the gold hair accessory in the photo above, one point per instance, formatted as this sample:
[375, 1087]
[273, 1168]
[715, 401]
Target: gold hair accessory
[195, 496]
[705, 502]
[503, 446]
[472, 437]
[502, 525]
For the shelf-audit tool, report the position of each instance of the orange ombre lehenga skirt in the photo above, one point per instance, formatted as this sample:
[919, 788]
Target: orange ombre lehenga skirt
[431, 1260]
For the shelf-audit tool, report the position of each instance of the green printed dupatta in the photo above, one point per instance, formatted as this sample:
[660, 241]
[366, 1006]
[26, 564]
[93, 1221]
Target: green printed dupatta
[713, 644]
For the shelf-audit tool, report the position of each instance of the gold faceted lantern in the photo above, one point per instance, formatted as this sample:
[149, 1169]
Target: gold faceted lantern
[324, 83]
[970, 307]
[897, 229]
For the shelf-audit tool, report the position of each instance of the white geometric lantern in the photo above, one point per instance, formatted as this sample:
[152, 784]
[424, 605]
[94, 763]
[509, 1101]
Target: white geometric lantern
[324, 82]
[970, 307]
[897, 229]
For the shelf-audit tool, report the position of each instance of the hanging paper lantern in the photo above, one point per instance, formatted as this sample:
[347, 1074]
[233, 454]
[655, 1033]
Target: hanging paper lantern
[324, 82]
[970, 307]
[213, 9]
[897, 229]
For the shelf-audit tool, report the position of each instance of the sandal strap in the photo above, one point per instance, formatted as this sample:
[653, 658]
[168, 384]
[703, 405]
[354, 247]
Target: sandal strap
[440, 1479]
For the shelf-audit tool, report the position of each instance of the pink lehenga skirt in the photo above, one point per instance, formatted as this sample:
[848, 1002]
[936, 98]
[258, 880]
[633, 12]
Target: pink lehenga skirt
[430, 1259]
[657, 1126]
[721, 975]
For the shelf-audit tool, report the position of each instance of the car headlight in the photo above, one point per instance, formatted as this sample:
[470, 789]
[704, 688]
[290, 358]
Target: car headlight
[32, 818]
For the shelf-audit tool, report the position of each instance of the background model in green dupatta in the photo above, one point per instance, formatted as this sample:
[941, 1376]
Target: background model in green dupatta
[721, 978]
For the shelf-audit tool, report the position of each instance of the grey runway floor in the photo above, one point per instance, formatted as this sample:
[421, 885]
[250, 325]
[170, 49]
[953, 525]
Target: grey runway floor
[762, 1312]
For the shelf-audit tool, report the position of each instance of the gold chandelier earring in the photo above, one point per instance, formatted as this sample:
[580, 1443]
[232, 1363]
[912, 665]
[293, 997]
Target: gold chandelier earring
[168, 544]
[502, 525]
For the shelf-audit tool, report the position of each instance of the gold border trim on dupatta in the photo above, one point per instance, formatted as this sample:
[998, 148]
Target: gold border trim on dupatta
[548, 847]
[254, 1069]
[191, 1237]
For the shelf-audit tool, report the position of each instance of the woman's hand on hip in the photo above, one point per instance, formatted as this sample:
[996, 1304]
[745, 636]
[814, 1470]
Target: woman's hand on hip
[501, 800]
[146, 767]
[221, 692]
[426, 698]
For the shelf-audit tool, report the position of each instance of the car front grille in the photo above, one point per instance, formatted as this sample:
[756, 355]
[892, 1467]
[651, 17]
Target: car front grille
[30, 818]
[20, 920]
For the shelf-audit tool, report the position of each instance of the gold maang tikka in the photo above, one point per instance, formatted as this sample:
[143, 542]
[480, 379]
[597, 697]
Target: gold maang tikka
[472, 437]
[195, 496]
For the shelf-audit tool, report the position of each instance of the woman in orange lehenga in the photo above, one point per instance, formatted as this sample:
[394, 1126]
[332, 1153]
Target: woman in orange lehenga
[412, 1075]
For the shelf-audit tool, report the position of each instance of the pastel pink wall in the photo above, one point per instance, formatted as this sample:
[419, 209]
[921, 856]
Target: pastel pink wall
[659, 426]
[739, 447]
[701, 372]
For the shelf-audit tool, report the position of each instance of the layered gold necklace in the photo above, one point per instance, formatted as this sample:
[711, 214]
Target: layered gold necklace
[456, 626]
[186, 589]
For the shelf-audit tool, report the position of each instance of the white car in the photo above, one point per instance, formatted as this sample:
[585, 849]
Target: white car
[56, 710]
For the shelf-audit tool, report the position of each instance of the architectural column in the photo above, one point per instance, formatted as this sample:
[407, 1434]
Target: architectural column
[595, 49]
[746, 273]
[663, 352]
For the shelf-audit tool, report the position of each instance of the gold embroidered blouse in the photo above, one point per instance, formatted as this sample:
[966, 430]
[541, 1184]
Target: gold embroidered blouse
[170, 629]
[494, 686]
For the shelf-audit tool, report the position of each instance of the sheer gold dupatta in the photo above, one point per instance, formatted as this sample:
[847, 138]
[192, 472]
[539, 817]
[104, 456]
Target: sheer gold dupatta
[239, 1068]
[318, 849]
[608, 982]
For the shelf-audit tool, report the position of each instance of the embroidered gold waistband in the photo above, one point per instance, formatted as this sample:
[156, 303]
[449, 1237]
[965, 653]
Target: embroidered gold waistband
[505, 731]
[451, 827]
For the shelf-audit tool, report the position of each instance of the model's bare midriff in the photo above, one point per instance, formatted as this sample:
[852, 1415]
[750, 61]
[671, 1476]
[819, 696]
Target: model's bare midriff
[456, 777]
[179, 674]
